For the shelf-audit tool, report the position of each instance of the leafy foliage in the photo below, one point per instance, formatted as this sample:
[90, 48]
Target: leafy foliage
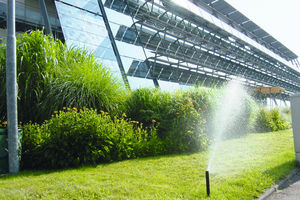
[179, 116]
[73, 138]
[270, 120]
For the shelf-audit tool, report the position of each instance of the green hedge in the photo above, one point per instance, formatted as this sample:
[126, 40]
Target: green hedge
[181, 116]
[271, 120]
[73, 138]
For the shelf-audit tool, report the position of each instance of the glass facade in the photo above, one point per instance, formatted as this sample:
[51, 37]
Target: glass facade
[170, 45]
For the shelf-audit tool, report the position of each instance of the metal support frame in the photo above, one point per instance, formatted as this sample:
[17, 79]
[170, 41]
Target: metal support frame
[206, 46]
[45, 17]
[113, 43]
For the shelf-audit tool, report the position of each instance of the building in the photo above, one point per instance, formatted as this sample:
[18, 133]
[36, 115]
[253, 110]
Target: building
[161, 43]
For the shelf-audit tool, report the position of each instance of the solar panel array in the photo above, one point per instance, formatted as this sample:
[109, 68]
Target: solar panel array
[228, 11]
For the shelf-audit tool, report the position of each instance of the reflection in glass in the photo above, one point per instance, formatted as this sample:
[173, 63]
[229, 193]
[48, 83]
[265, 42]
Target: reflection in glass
[118, 18]
[104, 53]
[126, 62]
[95, 29]
[91, 5]
[168, 86]
[139, 69]
[72, 2]
[130, 50]
[71, 33]
[136, 83]
[97, 40]
[87, 30]
[128, 35]
[186, 87]
[92, 18]
[67, 10]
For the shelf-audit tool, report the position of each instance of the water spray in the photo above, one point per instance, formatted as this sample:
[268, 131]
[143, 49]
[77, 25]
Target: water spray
[207, 183]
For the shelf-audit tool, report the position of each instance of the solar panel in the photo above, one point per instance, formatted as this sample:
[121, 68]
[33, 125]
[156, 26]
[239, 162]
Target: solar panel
[231, 13]
[241, 20]
[226, 10]
[218, 5]
[235, 15]
[276, 44]
[259, 32]
[250, 26]
[208, 1]
[269, 39]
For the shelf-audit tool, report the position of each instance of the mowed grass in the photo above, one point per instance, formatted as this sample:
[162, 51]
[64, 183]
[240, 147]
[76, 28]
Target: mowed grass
[244, 169]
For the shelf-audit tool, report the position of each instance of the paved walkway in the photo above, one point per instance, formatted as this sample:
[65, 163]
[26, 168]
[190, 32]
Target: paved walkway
[289, 189]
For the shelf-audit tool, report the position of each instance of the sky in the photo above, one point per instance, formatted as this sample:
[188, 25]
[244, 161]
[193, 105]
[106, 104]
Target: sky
[280, 18]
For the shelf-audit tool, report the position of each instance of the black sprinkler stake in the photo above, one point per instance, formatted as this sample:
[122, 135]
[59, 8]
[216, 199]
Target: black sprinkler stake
[207, 183]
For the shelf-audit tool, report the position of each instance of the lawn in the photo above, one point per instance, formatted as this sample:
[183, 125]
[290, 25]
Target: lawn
[244, 169]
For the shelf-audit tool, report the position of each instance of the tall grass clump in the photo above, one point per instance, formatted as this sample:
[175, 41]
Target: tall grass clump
[84, 82]
[50, 76]
[36, 67]
[80, 137]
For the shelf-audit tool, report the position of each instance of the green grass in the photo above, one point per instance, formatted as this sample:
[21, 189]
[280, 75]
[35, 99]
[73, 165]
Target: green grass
[256, 162]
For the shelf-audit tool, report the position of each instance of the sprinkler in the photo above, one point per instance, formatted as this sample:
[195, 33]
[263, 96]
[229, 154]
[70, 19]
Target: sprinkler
[207, 183]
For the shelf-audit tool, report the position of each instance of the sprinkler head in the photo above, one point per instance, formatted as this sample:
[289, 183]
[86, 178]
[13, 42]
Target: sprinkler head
[207, 183]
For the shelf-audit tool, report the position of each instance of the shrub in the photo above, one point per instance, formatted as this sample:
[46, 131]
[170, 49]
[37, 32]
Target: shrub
[186, 133]
[270, 120]
[71, 138]
[179, 117]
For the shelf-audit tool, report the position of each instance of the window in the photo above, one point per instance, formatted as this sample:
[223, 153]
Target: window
[128, 35]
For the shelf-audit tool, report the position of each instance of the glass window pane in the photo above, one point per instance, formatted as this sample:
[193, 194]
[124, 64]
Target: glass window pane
[74, 23]
[126, 62]
[130, 50]
[97, 40]
[70, 33]
[75, 43]
[67, 10]
[104, 53]
[92, 18]
[136, 83]
[186, 87]
[91, 5]
[118, 18]
[168, 86]
[72, 2]
[95, 29]
[113, 66]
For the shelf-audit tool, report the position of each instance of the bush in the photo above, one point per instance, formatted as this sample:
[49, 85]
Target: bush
[71, 138]
[179, 116]
[51, 76]
[270, 120]
[186, 133]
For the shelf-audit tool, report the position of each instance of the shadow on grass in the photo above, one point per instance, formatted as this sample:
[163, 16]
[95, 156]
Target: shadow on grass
[39, 172]
[280, 172]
